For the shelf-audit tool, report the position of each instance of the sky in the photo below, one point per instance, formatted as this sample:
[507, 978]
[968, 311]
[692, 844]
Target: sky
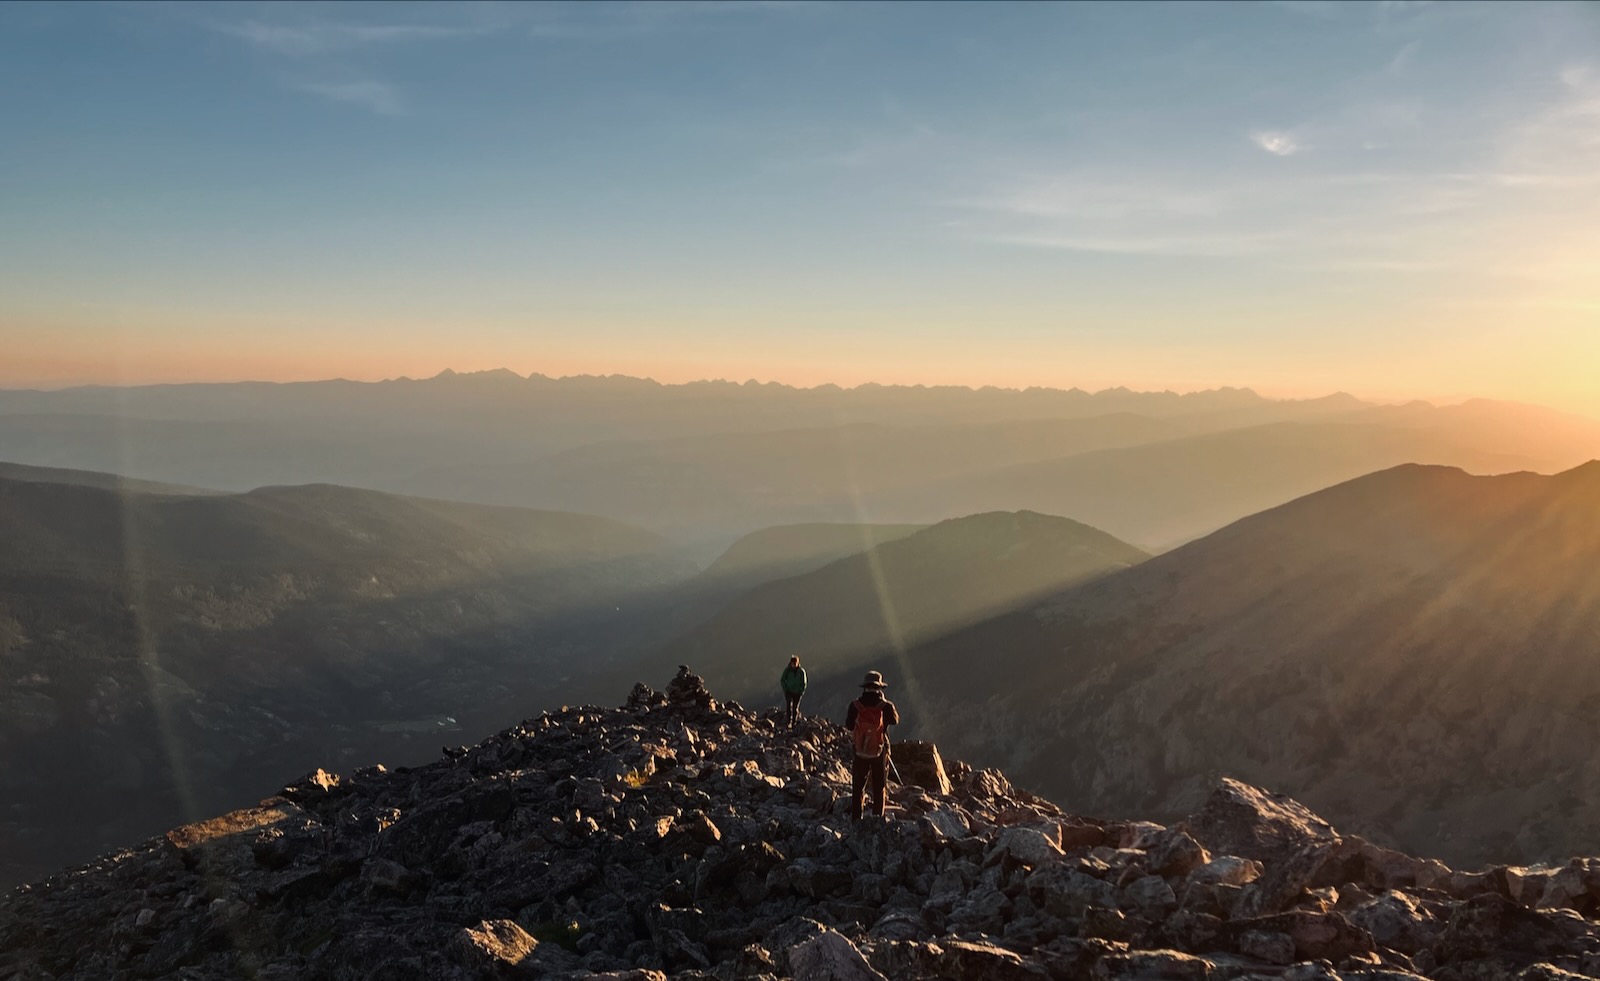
[1391, 199]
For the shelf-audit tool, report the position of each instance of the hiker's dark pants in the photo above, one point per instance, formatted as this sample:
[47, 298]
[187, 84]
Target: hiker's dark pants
[794, 705]
[876, 770]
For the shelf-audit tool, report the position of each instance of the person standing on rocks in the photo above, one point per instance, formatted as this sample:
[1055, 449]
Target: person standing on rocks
[793, 682]
[868, 720]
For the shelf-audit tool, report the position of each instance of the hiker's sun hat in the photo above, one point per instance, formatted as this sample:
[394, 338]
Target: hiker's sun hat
[873, 680]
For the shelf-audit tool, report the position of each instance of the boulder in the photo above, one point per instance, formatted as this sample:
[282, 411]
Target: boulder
[497, 948]
[1397, 921]
[1152, 965]
[1316, 936]
[1267, 945]
[1238, 819]
[975, 961]
[1029, 846]
[920, 765]
[1149, 895]
[1175, 853]
[1067, 892]
[829, 956]
[1230, 870]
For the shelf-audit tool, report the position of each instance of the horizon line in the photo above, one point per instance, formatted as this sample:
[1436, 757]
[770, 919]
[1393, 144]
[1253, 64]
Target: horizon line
[447, 374]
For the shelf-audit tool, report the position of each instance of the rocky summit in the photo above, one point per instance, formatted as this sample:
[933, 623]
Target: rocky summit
[679, 837]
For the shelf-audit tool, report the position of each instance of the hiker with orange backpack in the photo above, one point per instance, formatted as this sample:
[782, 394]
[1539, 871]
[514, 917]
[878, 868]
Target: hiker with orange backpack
[868, 720]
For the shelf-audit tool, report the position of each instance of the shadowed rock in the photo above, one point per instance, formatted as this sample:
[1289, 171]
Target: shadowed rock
[675, 838]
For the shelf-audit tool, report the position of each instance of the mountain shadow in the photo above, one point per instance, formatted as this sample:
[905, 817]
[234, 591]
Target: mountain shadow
[160, 652]
[876, 603]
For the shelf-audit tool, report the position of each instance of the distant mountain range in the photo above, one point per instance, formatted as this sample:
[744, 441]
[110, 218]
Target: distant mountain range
[707, 462]
[163, 651]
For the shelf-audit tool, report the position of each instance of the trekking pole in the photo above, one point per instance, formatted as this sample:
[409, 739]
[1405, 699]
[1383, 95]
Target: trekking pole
[889, 757]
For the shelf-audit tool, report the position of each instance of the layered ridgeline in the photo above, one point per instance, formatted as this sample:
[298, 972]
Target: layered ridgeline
[863, 608]
[159, 652]
[707, 462]
[680, 838]
[705, 484]
[793, 550]
[1153, 481]
[1416, 653]
[92, 478]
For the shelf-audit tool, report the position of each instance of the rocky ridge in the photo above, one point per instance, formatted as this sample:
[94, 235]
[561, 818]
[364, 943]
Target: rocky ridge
[678, 837]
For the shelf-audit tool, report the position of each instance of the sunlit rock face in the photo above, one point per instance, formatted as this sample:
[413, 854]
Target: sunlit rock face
[683, 837]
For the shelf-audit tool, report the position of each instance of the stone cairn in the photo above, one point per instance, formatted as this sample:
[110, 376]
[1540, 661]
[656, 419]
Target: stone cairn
[675, 837]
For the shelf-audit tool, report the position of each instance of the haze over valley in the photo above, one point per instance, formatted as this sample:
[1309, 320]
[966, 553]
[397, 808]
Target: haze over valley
[195, 644]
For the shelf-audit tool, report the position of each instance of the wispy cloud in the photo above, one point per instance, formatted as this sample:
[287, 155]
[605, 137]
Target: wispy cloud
[1319, 9]
[629, 20]
[369, 94]
[1579, 77]
[1276, 142]
[306, 39]
[1125, 215]
[1088, 197]
[318, 49]
[1403, 57]
[1215, 244]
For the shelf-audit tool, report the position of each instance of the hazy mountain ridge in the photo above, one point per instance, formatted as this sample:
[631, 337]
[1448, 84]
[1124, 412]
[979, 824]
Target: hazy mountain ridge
[707, 462]
[1163, 493]
[1412, 651]
[87, 478]
[240, 631]
[705, 485]
[783, 551]
[209, 400]
[870, 605]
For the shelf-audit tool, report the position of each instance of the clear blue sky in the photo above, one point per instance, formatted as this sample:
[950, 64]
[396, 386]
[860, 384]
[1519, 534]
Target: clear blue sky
[1396, 198]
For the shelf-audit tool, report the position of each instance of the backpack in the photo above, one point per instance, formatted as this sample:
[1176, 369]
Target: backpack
[870, 731]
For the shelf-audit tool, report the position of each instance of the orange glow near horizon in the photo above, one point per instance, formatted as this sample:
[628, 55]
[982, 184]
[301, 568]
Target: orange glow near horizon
[123, 360]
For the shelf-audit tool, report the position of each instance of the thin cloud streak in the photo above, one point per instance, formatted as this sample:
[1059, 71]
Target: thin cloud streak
[1199, 246]
[305, 40]
[597, 22]
[1388, 222]
[369, 94]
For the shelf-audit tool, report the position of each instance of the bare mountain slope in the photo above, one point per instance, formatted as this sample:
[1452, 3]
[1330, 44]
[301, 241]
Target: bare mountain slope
[90, 478]
[1164, 493]
[1416, 653]
[793, 550]
[162, 651]
[940, 579]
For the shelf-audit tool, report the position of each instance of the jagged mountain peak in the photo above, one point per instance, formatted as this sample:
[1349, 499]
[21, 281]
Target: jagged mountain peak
[679, 837]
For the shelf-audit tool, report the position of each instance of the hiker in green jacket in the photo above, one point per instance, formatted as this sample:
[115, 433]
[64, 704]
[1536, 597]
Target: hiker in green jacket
[793, 683]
